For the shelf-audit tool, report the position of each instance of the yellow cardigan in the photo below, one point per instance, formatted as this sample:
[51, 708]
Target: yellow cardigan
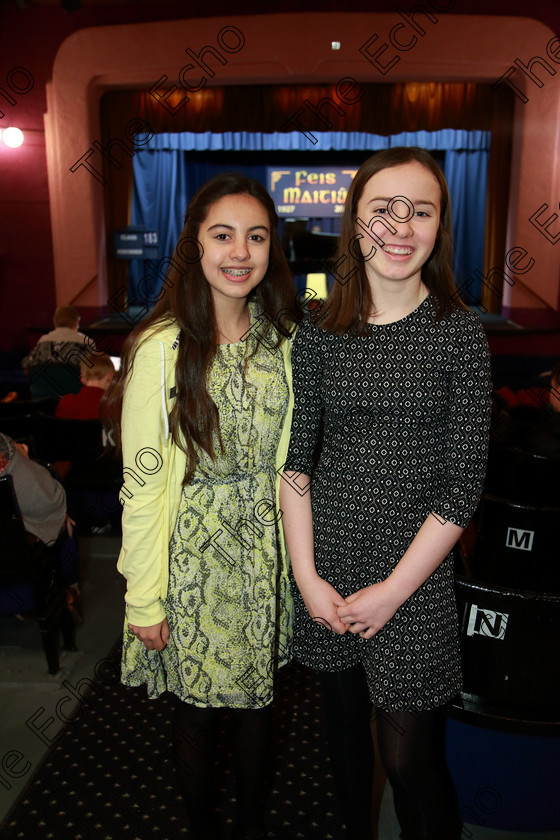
[153, 471]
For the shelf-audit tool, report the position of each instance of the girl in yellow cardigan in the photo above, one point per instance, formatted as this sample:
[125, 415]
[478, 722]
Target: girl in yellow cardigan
[205, 388]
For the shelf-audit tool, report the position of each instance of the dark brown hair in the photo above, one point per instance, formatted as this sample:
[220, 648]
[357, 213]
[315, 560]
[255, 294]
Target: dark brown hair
[187, 300]
[349, 303]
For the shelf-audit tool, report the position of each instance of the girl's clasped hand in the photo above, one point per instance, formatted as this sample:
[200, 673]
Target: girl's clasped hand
[368, 610]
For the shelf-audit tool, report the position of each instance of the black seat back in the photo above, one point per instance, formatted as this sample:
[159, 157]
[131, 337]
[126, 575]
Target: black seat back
[522, 477]
[54, 380]
[19, 428]
[21, 408]
[82, 442]
[509, 645]
[60, 439]
[517, 545]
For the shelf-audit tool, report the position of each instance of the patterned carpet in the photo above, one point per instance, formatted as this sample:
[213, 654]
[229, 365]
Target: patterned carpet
[110, 775]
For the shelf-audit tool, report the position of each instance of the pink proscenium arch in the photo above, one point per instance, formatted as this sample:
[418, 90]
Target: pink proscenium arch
[296, 48]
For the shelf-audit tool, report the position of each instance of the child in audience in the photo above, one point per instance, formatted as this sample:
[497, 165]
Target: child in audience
[96, 373]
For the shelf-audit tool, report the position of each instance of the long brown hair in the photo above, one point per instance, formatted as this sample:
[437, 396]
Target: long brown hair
[187, 301]
[349, 302]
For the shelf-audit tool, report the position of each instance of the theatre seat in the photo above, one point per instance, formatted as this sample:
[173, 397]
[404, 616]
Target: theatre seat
[23, 408]
[19, 428]
[83, 443]
[53, 380]
[95, 478]
[60, 439]
[509, 647]
[522, 477]
[517, 545]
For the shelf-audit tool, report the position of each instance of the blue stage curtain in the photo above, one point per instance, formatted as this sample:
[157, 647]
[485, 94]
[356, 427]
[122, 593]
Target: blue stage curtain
[165, 182]
[295, 141]
[158, 204]
[466, 173]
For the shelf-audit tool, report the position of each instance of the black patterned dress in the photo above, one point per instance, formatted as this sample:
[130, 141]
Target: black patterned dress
[406, 412]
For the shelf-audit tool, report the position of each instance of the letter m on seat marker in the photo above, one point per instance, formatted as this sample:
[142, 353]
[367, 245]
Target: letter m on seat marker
[516, 538]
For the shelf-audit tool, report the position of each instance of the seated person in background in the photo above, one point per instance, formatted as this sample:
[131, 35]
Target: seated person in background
[63, 347]
[41, 499]
[42, 504]
[66, 322]
[96, 373]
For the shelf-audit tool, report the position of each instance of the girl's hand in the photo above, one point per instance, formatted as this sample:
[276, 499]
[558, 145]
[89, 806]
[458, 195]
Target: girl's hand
[369, 609]
[321, 600]
[154, 637]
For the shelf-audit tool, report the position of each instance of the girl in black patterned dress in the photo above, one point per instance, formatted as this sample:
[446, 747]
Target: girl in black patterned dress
[397, 371]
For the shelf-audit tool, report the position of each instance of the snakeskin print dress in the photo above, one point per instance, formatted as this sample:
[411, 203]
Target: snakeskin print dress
[228, 602]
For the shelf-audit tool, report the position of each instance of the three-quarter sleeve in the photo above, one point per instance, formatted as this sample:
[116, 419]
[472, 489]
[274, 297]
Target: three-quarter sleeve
[308, 401]
[468, 422]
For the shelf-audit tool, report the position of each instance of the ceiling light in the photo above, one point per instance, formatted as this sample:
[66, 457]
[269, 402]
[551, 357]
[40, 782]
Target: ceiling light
[13, 137]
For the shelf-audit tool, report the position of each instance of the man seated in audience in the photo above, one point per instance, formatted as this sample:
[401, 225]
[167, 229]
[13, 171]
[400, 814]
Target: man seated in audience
[66, 322]
[96, 374]
[54, 364]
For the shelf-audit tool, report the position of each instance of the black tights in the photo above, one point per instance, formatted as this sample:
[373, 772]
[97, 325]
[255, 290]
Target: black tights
[411, 748]
[194, 743]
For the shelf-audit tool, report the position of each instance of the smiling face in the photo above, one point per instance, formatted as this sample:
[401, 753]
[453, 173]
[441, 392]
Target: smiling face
[403, 253]
[235, 236]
